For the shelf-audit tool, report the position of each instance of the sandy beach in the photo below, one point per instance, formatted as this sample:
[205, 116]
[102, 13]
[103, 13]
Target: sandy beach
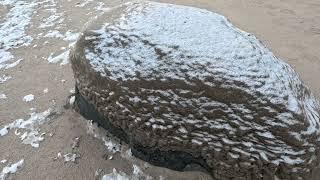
[54, 142]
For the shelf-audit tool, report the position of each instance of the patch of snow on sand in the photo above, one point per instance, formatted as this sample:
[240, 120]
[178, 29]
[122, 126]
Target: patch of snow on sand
[12, 30]
[112, 144]
[71, 36]
[84, 3]
[3, 96]
[63, 57]
[137, 174]
[70, 157]
[11, 65]
[10, 169]
[32, 136]
[54, 34]
[3, 161]
[72, 100]
[28, 98]
[4, 78]
[68, 36]
[54, 18]
[101, 7]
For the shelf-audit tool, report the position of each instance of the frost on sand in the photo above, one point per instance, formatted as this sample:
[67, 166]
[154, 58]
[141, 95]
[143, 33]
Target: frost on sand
[31, 135]
[10, 169]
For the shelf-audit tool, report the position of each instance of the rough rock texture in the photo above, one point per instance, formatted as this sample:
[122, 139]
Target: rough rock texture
[183, 85]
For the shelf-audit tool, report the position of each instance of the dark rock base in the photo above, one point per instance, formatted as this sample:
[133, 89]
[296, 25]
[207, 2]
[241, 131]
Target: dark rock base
[174, 160]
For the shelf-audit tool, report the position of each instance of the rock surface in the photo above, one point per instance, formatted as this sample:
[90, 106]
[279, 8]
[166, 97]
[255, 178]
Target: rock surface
[182, 85]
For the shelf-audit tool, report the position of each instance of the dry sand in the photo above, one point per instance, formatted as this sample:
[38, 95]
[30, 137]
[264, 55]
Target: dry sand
[290, 28]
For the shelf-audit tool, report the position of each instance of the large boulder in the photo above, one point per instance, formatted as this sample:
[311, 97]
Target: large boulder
[182, 85]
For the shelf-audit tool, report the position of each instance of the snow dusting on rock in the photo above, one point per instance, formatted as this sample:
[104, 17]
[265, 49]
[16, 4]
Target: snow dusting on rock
[196, 83]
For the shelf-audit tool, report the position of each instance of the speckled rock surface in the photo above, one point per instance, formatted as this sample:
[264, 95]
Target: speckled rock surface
[181, 80]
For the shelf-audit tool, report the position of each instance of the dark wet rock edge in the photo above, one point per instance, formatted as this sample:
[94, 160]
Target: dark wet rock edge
[175, 160]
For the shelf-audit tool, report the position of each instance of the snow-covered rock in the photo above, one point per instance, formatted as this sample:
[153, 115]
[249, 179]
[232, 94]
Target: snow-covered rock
[183, 85]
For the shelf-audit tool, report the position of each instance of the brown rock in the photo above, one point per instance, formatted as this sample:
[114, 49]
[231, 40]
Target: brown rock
[175, 81]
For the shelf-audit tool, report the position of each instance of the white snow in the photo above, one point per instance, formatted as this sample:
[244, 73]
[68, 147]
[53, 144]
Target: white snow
[84, 3]
[54, 34]
[31, 135]
[3, 96]
[62, 58]
[55, 18]
[137, 174]
[112, 144]
[4, 131]
[33, 138]
[28, 98]
[3, 161]
[4, 57]
[4, 78]
[71, 36]
[115, 175]
[10, 169]
[11, 65]
[72, 99]
[70, 157]
[68, 36]
[12, 30]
